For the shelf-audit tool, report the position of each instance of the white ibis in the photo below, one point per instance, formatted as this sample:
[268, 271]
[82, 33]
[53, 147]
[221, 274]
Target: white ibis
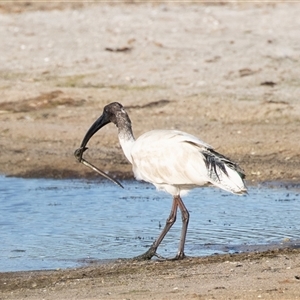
[173, 161]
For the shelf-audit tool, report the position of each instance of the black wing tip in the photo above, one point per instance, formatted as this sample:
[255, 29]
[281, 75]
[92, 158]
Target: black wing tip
[214, 160]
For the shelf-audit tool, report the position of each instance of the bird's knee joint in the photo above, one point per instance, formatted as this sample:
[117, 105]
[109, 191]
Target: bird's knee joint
[171, 220]
[185, 217]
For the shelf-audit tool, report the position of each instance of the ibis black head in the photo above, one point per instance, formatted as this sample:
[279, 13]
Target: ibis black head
[111, 113]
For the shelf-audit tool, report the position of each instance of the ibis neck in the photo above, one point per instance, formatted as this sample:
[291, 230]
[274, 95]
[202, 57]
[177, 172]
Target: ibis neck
[126, 137]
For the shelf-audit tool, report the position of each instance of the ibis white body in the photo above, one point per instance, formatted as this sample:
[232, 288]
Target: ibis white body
[173, 161]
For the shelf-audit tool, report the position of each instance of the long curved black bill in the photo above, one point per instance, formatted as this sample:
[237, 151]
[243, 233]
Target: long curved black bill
[98, 124]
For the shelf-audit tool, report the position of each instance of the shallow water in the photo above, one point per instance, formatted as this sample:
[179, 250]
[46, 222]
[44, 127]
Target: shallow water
[49, 224]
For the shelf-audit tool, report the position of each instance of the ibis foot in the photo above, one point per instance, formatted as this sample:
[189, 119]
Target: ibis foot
[148, 255]
[179, 256]
[151, 252]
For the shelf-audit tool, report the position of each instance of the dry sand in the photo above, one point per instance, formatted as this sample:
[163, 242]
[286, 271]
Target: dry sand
[227, 73]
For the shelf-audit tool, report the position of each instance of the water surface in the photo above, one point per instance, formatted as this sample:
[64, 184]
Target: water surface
[49, 224]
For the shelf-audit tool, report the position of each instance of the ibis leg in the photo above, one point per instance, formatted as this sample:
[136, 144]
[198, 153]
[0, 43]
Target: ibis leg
[169, 223]
[185, 221]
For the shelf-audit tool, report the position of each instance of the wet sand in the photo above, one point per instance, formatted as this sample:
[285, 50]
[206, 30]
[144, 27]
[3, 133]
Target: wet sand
[267, 275]
[226, 73]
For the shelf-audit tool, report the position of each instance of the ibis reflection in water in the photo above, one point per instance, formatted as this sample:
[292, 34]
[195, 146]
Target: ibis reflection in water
[173, 161]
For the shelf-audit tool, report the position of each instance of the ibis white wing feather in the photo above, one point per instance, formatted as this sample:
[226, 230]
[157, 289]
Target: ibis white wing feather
[174, 161]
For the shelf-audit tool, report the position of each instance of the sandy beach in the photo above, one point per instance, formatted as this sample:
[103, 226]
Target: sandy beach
[226, 73]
